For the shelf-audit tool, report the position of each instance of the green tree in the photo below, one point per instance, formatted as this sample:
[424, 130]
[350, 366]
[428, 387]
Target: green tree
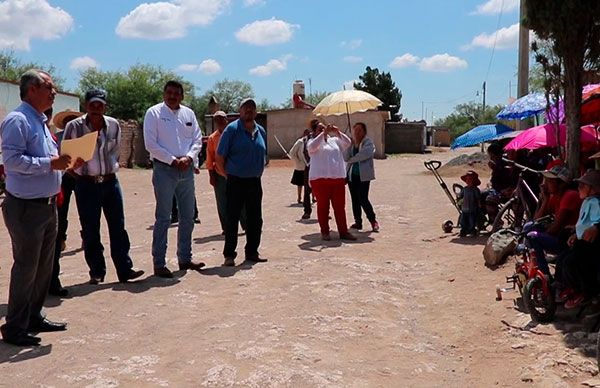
[11, 68]
[132, 92]
[573, 28]
[229, 94]
[467, 116]
[383, 87]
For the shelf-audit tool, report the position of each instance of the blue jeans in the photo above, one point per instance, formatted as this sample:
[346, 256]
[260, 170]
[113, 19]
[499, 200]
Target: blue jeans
[169, 181]
[92, 199]
[542, 242]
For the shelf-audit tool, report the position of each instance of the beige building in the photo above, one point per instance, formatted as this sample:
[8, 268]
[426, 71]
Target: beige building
[289, 124]
[10, 99]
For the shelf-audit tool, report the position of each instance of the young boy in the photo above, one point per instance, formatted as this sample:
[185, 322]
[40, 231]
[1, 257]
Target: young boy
[470, 204]
[582, 267]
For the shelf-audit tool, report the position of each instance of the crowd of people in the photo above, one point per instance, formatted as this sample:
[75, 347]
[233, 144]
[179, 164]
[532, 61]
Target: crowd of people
[572, 207]
[40, 180]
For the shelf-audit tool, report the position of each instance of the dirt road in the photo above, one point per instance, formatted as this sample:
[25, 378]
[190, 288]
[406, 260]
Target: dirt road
[409, 306]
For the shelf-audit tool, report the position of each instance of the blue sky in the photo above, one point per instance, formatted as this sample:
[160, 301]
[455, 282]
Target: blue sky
[438, 51]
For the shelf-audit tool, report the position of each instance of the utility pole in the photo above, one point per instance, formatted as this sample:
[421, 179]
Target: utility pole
[422, 109]
[483, 107]
[523, 79]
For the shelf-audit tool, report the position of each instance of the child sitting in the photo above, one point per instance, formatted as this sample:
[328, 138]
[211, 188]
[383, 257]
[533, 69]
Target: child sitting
[470, 204]
[581, 266]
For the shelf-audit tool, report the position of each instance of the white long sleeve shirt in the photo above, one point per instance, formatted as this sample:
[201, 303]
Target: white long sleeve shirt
[171, 134]
[297, 155]
[327, 156]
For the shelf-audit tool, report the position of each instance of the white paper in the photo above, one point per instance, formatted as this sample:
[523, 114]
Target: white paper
[82, 147]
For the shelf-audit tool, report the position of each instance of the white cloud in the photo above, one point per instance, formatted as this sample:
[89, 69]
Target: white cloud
[169, 20]
[210, 67]
[84, 63]
[405, 60]
[352, 59]
[504, 38]
[274, 65]
[352, 45]
[251, 3]
[24, 20]
[442, 63]
[266, 32]
[207, 66]
[494, 7]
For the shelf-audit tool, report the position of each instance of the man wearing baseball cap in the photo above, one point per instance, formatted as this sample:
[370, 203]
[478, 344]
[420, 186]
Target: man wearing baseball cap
[562, 203]
[98, 190]
[241, 154]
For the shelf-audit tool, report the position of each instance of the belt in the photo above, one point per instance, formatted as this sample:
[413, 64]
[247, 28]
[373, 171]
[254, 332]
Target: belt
[44, 200]
[97, 178]
[154, 160]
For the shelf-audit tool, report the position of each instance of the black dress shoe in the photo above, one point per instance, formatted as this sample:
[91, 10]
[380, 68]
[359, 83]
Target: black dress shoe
[132, 274]
[24, 339]
[60, 292]
[96, 280]
[163, 272]
[45, 326]
[191, 265]
[256, 259]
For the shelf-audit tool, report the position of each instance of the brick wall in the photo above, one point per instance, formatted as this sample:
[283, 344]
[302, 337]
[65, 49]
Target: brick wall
[133, 151]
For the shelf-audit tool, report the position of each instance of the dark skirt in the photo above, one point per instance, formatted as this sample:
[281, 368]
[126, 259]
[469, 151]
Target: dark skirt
[298, 178]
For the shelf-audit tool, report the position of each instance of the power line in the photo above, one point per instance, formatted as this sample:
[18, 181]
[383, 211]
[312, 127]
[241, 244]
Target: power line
[495, 41]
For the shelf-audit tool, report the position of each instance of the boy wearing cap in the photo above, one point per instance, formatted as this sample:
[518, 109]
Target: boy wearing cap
[470, 204]
[98, 190]
[561, 202]
[173, 139]
[241, 154]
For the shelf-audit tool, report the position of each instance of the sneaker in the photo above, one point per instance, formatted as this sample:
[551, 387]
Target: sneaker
[229, 262]
[356, 226]
[347, 236]
[375, 226]
[163, 272]
[574, 301]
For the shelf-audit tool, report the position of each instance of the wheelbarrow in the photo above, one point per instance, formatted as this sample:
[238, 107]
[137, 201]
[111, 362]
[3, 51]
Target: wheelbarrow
[433, 166]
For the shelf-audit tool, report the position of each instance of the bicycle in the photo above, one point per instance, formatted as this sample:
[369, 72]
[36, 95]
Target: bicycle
[521, 205]
[533, 285]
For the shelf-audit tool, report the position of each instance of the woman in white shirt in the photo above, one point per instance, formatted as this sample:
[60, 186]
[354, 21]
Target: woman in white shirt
[327, 178]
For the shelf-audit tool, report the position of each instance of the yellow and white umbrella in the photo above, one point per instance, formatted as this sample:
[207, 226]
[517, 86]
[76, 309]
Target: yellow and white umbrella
[346, 102]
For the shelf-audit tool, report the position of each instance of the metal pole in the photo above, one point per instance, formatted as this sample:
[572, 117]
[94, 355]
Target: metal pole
[523, 79]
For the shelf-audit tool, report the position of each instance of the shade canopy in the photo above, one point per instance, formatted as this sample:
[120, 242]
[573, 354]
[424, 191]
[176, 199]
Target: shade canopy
[480, 134]
[346, 102]
[526, 106]
[546, 136]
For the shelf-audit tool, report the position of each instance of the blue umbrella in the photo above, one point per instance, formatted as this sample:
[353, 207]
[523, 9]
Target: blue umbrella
[526, 106]
[480, 134]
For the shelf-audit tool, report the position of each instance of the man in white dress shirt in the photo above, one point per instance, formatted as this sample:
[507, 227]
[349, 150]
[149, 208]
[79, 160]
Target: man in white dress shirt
[173, 139]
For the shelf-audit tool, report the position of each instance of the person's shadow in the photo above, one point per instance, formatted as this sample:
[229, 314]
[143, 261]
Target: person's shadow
[226, 272]
[207, 239]
[12, 354]
[315, 243]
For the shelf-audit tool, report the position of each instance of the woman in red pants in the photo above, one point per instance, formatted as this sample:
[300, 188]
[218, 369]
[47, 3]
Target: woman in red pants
[327, 178]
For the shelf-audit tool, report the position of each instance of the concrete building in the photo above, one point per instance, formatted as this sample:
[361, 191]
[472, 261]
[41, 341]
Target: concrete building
[10, 99]
[289, 124]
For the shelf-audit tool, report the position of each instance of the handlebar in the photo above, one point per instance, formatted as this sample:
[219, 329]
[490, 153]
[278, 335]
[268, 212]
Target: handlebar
[432, 165]
[520, 166]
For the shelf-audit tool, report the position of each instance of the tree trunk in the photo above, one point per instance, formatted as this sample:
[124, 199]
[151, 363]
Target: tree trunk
[573, 69]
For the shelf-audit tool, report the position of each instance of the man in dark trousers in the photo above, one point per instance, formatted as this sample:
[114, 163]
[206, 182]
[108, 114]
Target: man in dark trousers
[33, 179]
[241, 154]
[98, 190]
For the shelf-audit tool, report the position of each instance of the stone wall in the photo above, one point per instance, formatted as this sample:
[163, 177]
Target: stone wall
[133, 151]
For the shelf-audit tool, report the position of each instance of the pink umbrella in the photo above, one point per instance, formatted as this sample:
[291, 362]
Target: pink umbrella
[545, 136]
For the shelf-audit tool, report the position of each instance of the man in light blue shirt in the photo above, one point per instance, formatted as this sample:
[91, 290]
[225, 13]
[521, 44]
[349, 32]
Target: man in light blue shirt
[33, 181]
[241, 153]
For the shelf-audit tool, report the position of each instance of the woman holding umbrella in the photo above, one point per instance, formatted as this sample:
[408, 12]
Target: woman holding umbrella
[327, 177]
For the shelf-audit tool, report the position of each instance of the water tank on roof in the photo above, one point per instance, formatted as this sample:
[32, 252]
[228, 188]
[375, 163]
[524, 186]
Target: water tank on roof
[298, 88]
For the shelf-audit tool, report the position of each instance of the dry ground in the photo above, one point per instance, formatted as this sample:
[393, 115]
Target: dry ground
[408, 306]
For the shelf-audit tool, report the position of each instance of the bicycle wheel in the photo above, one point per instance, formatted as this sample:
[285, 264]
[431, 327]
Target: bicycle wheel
[506, 217]
[541, 304]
